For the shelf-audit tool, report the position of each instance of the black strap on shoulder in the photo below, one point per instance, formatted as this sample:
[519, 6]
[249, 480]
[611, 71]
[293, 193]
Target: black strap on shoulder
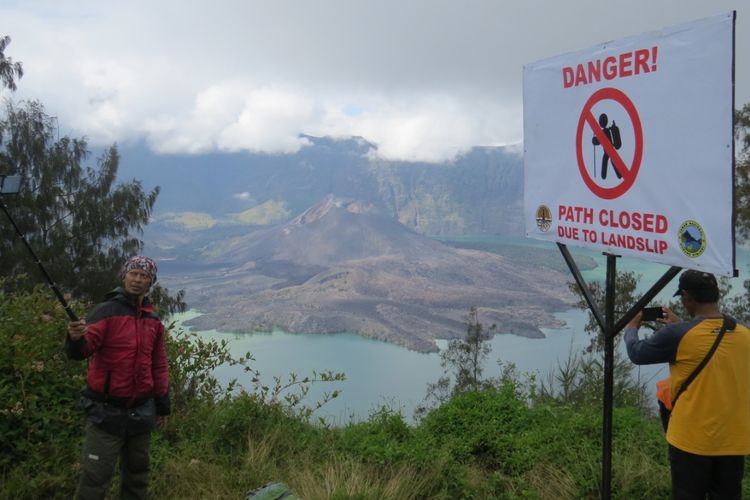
[728, 324]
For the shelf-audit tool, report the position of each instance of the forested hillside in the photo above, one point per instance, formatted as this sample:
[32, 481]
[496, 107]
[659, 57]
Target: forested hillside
[479, 193]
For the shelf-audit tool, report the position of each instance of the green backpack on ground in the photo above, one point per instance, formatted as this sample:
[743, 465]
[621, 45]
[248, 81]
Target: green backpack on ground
[272, 491]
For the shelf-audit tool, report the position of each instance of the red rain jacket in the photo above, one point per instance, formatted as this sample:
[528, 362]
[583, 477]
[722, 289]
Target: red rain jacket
[127, 352]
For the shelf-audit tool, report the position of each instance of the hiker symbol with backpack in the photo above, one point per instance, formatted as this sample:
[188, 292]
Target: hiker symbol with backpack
[612, 132]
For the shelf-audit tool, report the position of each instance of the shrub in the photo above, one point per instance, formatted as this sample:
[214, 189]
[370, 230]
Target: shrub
[192, 362]
[40, 420]
[479, 426]
[385, 438]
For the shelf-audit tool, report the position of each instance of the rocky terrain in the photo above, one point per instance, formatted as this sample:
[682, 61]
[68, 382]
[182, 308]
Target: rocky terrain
[344, 265]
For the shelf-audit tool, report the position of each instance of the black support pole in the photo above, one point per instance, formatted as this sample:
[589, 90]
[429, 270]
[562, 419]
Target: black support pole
[609, 371]
[647, 297]
[610, 328]
[582, 285]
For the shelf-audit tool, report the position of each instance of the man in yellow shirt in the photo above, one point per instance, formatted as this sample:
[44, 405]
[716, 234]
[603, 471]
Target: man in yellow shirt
[709, 428]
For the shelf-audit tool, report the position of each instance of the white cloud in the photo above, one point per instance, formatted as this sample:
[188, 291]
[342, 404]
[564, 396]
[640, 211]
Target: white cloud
[426, 128]
[233, 117]
[424, 79]
[240, 116]
[416, 128]
[270, 120]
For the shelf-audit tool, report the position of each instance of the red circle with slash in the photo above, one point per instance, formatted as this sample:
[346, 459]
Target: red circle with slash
[628, 173]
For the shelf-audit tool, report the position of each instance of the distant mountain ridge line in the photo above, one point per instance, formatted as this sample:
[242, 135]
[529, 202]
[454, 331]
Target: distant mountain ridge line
[479, 192]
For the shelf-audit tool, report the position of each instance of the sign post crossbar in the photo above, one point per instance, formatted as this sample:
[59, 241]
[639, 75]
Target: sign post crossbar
[610, 328]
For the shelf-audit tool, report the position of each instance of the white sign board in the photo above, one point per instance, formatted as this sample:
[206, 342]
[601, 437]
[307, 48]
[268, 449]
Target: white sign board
[628, 147]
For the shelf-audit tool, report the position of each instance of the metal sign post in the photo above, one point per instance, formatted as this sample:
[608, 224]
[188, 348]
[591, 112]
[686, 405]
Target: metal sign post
[610, 328]
[619, 215]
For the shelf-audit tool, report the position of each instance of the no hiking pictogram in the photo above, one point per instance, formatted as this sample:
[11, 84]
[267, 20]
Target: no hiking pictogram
[607, 135]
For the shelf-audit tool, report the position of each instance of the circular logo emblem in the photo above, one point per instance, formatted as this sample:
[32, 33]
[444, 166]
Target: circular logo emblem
[543, 218]
[692, 238]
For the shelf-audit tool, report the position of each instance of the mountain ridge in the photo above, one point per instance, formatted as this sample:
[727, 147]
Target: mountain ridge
[480, 192]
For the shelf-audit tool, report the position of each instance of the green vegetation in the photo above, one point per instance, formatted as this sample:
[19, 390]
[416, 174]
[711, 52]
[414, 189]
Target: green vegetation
[505, 440]
[191, 221]
[9, 70]
[742, 192]
[78, 221]
[270, 212]
[463, 364]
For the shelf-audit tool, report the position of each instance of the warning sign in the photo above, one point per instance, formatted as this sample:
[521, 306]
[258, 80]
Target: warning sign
[628, 146]
[608, 135]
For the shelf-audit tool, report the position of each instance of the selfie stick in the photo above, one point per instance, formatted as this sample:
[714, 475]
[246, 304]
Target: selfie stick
[51, 283]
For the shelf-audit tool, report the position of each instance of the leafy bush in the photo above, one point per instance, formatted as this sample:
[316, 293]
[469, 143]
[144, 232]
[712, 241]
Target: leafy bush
[40, 421]
[192, 362]
[479, 426]
[385, 438]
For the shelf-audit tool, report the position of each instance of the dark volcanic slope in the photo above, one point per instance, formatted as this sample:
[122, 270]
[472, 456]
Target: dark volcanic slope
[342, 266]
[331, 232]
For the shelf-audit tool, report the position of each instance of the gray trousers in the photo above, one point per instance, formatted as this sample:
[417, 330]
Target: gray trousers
[100, 453]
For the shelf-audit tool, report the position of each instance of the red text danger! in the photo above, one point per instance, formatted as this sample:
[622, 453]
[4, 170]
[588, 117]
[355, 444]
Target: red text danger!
[626, 64]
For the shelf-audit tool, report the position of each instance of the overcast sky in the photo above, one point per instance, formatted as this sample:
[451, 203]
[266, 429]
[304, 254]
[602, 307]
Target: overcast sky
[424, 79]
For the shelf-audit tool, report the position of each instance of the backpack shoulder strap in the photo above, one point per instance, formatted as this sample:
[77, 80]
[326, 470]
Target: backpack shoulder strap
[728, 324]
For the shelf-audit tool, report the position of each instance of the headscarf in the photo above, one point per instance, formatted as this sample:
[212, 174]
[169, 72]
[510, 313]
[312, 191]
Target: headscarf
[140, 262]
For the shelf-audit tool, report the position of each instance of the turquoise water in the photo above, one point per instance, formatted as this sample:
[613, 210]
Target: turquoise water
[380, 374]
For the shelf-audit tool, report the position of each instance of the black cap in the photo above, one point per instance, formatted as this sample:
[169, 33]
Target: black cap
[697, 281]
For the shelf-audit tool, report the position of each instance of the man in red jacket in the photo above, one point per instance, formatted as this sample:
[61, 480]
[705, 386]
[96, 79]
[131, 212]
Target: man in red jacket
[127, 383]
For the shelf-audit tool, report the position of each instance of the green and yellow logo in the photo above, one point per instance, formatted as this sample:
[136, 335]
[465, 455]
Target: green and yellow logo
[692, 238]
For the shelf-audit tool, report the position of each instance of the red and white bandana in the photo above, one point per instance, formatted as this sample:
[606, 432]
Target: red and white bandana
[145, 264]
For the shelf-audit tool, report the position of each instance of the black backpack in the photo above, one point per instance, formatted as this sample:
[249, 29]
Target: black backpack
[616, 139]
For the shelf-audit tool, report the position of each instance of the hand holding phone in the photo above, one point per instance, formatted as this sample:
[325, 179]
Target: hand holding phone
[652, 313]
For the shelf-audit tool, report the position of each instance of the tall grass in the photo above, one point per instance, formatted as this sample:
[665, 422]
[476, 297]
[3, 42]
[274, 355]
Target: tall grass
[505, 441]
